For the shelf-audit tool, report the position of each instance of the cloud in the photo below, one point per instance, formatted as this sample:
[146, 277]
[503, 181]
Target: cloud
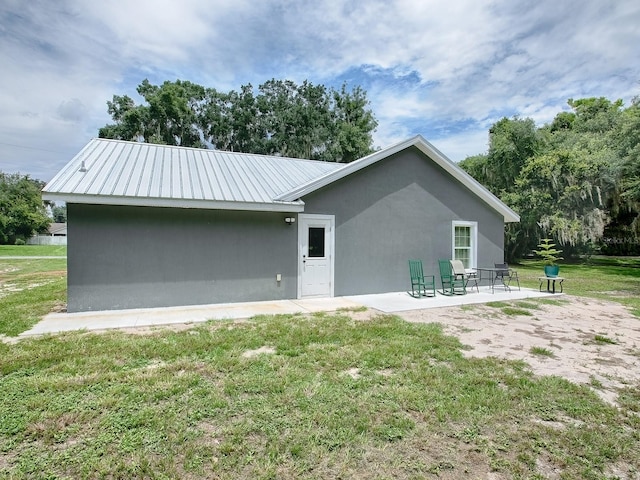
[447, 70]
[72, 110]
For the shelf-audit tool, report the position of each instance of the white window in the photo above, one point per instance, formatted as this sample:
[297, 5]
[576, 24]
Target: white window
[464, 247]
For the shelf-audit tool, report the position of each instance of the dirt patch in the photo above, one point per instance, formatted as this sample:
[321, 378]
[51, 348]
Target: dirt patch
[260, 351]
[572, 332]
[353, 373]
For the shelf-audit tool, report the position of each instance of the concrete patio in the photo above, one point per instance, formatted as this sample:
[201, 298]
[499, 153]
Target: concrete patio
[147, 317]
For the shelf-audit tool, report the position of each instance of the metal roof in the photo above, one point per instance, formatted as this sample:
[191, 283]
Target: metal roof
[117, 172]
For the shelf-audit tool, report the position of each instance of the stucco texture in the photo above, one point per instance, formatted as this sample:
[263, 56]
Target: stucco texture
[397, 209]
[129, 257]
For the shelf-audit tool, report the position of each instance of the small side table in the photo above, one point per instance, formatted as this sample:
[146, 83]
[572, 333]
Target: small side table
[551, 283]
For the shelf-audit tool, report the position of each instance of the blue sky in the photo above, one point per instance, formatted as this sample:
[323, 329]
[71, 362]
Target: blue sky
[444, 69]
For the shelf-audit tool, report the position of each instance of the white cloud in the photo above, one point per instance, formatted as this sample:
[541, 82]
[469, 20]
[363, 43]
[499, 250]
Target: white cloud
[445, 69]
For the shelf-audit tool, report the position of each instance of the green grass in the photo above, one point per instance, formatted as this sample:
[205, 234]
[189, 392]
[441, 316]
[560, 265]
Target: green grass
[616, 279]
[541, 351]
[604, 339]
[33, 250]
[338, 398]
[531, 305]
[515, 308]
[29, 289]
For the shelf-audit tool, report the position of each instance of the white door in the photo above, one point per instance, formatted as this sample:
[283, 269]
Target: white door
[315, 252]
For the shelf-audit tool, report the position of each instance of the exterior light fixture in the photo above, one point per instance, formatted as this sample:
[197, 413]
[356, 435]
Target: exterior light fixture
[290, 220]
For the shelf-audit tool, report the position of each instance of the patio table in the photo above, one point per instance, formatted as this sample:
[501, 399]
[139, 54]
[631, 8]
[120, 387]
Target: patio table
[551, 283]
[492, 271]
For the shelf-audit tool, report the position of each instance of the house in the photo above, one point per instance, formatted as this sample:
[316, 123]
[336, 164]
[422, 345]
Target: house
[56, 235]
[155, 225]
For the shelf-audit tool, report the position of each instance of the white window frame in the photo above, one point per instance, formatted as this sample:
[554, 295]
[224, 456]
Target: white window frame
[473, 253]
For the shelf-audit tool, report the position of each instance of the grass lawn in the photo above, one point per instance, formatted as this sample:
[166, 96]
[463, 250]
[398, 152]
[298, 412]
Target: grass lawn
[608, 278]
[30, 288]
[33, 250]
[294, 396]
[328, 397]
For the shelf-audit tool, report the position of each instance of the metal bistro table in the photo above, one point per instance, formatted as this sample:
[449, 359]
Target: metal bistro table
[492, 272]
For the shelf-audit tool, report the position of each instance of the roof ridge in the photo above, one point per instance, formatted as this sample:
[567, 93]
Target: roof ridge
[211, 150]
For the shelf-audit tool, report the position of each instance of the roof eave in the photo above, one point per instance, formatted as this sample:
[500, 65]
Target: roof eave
[278, 206]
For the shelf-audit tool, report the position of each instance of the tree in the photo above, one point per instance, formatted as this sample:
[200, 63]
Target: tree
[576, 180]
[477, 166]
[354, 124]
[129, 119]
[233, 122]
[623, 233]
[59, 213]
[595, 114]
[282, 118]
[22, 212]
[170, 116]
[512, 142]
[568, 191]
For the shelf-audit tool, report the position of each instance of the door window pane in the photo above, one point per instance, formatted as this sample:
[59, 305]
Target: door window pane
[316, 241]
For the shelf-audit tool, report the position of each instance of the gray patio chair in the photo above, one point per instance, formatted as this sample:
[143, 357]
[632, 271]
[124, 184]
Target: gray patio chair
[505, 275]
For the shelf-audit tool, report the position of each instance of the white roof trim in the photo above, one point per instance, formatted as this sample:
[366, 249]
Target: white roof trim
[290, 207]
[428, 149]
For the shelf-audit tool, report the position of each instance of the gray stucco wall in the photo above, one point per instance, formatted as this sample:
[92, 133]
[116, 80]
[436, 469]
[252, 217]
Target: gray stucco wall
[398, 209]
[130, 257]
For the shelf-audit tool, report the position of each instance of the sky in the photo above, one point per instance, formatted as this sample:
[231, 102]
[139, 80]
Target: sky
[446, 70]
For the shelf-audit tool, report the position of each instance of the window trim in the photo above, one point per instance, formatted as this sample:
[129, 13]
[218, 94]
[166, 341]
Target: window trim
[473, 254]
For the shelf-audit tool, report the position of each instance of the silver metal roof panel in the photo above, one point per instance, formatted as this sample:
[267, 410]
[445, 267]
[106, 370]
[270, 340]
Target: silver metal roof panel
[132, 173]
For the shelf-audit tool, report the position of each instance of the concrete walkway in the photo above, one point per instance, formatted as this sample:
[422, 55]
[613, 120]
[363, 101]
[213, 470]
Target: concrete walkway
[147, 317]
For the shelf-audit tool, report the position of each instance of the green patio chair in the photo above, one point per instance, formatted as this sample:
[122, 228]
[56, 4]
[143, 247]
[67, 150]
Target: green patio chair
[451, 285]
[421, 285]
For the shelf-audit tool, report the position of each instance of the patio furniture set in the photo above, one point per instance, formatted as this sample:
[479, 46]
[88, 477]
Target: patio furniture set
[456, 280]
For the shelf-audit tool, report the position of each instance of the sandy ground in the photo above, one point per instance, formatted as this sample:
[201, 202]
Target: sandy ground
[575, 333]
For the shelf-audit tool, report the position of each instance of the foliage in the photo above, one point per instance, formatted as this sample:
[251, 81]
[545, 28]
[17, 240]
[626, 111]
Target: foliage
[511, 144]
[548, 251]
[576, 180]
[281, 118]
[22, 212]
[59, 213]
